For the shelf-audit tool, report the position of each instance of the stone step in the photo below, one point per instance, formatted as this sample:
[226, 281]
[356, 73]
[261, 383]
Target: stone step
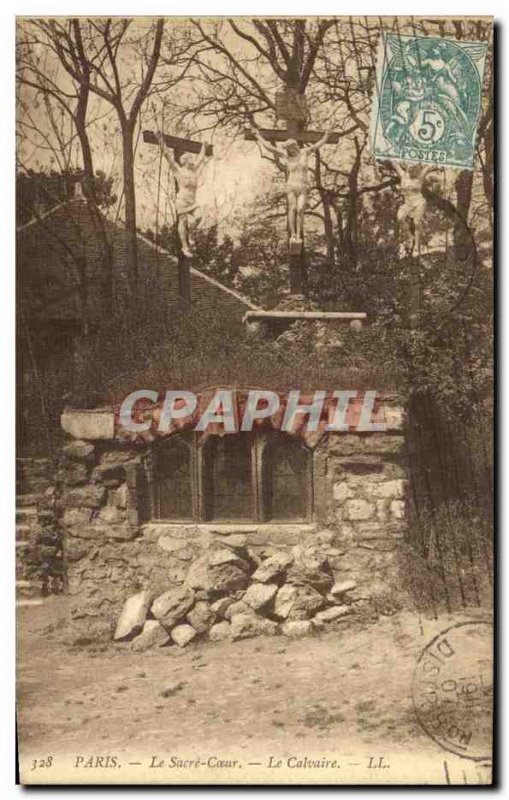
[23, 531]
[32, 466]
[31, 500]
[21, 602]
[32, 485]
[32, 460]
[28, 589]
[26, 516]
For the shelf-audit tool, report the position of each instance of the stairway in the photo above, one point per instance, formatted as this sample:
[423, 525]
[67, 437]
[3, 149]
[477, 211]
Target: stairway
[38, 547]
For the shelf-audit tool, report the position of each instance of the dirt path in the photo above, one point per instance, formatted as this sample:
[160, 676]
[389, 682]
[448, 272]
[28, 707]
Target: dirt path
[345, 692]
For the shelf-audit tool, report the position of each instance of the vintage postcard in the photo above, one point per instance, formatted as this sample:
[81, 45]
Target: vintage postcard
[254, 489]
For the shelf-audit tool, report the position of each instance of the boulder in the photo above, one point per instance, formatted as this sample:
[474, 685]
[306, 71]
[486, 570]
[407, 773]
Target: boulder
[226, 578]
[245, 626]
[259, 595]
[311, 568]
[201, 617]
[254, 556]
[220, 632]
[173, 605]
[321, 581]
[222, 578]
[309, 557]
[239, 607]
[226, 555]
[284, 600]
[296, 628]
[297, 602]
[183, 634]
[341, 588]
[273, 568]
[332, 614]
[152, 635]
[133, 615]
[219, 607]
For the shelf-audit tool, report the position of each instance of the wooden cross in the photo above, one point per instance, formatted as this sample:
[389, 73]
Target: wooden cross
[291, 107]
[179, 147]
[303, 137]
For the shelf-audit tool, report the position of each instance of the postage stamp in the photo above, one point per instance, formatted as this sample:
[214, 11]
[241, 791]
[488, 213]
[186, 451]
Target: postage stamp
[452, 689]
[427, 99]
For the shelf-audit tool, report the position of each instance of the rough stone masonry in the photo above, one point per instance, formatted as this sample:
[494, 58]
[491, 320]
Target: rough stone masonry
[158, 583]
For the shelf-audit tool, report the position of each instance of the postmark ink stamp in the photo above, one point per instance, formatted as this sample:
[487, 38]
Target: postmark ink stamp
[427, 99]
[452, 689]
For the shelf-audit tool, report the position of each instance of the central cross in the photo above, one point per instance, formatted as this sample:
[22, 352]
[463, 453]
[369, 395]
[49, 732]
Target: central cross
[297, 144]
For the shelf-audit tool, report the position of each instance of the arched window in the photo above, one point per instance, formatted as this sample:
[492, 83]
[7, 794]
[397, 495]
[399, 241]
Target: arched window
[286, 480]
[227, 478]
[173, 496]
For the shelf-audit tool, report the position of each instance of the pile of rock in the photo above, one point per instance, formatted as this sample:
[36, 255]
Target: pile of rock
[232, 593]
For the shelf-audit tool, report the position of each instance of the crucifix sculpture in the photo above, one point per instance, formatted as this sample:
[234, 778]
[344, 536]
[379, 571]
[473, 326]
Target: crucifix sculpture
[411, 212]
[297, 144]
[186, 170]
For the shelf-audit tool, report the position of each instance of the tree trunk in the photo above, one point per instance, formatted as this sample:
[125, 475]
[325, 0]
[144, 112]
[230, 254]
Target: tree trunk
[350, 232]
[487, 169]
[130, 205]
[353, 208]
[98, 220]
[328, 225]
[463, 185]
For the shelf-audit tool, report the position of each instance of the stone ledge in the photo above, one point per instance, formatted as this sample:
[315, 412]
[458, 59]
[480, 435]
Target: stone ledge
[151, 531]
[89, 424]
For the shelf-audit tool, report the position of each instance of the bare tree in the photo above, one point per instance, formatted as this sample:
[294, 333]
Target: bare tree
[91, 53]
[72, 99]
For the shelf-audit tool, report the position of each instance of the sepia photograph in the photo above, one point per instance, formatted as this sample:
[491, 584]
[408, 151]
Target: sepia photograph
[254, 533]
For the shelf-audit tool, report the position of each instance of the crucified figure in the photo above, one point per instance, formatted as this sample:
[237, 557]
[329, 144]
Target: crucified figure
[295, 160]
[186, 174]
[411, 211]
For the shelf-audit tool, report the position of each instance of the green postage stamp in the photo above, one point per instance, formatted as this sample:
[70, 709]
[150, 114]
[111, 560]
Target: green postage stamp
[427, 99]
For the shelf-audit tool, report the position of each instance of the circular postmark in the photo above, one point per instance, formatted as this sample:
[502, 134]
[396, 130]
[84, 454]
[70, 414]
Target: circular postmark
[452, 689]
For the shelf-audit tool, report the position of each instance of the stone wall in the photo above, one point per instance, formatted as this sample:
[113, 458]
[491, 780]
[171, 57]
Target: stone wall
[113, 552]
